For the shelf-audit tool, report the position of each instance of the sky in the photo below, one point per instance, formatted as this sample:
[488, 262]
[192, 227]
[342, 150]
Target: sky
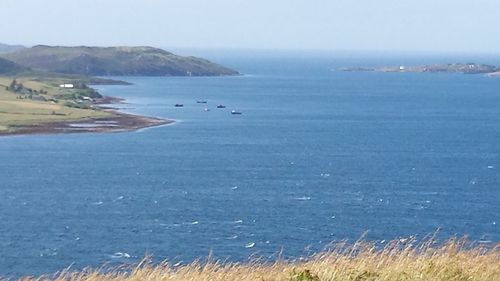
[441, 26]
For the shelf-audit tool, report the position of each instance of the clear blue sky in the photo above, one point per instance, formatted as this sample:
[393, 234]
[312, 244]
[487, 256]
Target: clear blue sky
[469, 26]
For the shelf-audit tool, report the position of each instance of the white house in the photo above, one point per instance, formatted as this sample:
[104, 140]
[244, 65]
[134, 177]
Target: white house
[70, 86]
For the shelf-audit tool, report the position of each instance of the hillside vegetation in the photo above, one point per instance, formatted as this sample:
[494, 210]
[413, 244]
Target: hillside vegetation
[400, 260]
[27, 101]
[134, 61]
[9, 67]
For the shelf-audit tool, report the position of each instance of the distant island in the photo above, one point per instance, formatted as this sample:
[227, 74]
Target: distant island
[47, 89]
[465, 68]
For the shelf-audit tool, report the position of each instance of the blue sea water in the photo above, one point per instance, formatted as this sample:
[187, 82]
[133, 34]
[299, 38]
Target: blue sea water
[317, 156]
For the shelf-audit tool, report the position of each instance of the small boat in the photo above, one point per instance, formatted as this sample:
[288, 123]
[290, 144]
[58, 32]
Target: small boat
[207, 109]
[234, 112]
[201, 101]
[221, 106]
[179, 105]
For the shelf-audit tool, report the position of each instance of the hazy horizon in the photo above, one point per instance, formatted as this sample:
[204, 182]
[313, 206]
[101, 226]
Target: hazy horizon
[328, 26]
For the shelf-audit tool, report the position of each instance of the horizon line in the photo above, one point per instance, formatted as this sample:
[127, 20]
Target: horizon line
[340, 51]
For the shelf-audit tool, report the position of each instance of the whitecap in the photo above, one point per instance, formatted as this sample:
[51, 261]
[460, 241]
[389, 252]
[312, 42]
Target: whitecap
[234, 187]
[120, 255]
[429, 193]
[233, 237]
[303, 198]
[97, 203]
[250, 245]
[238, 221]
[421, 207]
[491, 167]
[49, 252]
[195, 223]
[485, 241]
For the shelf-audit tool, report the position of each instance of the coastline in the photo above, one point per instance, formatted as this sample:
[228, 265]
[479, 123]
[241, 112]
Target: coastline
[116, 122]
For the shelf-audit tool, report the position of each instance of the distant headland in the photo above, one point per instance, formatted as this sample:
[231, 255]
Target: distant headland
[47, 89]
[115, 61]
[465, 68]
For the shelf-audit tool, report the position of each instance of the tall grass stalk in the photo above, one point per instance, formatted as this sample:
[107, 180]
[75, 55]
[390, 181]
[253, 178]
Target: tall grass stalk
[398, 260]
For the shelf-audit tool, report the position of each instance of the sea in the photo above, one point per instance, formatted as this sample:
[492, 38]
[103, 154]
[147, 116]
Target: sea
[317, 156]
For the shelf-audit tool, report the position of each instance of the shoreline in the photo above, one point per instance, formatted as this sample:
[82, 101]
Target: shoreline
[115, 123]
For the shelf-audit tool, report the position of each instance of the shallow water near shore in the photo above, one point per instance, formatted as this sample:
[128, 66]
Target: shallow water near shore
[317, 156]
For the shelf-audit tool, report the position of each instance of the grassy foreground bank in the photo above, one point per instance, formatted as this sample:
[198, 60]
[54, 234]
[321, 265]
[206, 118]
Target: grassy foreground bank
[399, 260]
[38, 104]
[26, 101]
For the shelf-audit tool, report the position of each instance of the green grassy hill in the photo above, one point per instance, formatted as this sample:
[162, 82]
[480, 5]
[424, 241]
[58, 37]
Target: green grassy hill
[38, 101]
[140, 61]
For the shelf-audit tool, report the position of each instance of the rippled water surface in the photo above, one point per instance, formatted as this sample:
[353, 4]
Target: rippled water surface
[317, 156]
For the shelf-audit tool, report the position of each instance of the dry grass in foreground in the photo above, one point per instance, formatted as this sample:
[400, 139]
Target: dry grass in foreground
[399, 260]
